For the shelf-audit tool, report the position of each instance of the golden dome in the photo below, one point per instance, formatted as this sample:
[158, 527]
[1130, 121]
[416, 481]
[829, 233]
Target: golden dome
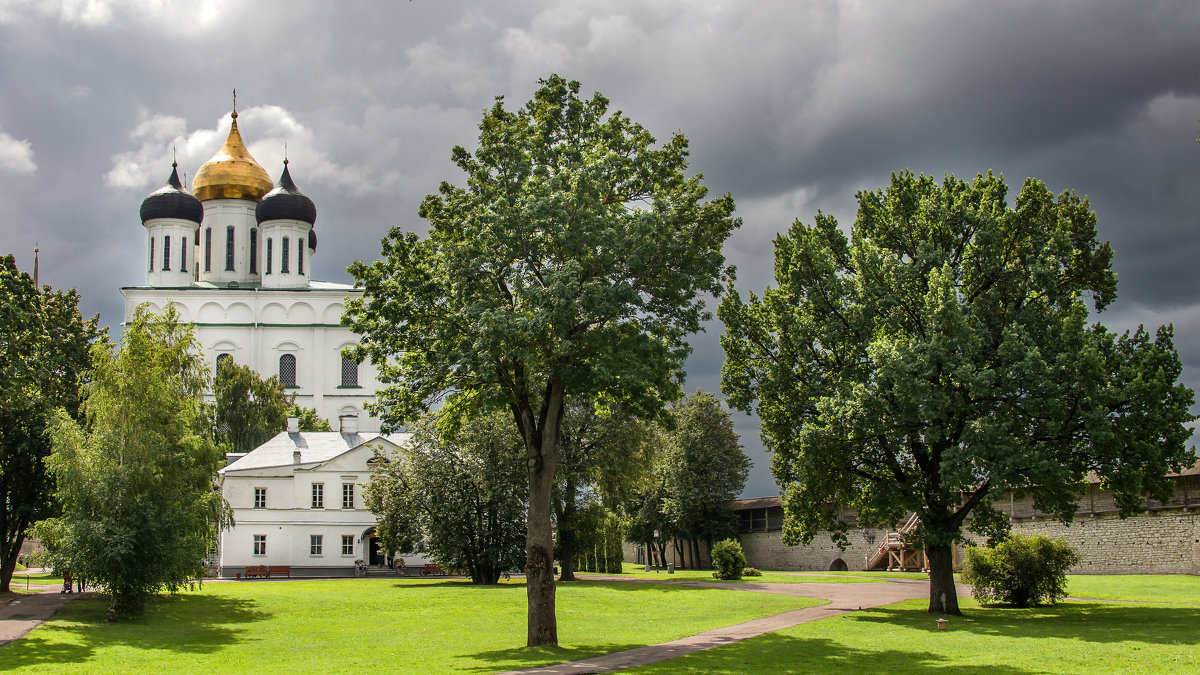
[231, 173]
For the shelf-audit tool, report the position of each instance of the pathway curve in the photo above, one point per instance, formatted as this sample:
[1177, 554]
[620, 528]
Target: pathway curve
[842, 598]
[26, 612]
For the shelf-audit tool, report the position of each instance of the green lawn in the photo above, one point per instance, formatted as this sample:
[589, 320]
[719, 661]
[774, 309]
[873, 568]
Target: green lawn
[1141, 587]
[1069, 637]
[639, 572]
[367, 625]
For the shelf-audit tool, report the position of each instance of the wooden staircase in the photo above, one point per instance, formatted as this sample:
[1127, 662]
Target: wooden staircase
[895, 554]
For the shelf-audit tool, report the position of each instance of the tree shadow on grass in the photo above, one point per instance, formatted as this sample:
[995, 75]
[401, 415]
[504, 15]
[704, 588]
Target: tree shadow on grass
[1085, 621]
[500, 660]
[182, 623]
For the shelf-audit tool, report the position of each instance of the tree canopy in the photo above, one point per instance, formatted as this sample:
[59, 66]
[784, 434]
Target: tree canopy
[457, 493]
[44, 357]
[248, 410]
[574, 262]
[135, 480]
[943, 353]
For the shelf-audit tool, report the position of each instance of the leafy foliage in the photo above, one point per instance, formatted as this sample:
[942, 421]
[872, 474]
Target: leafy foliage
[44, 357]
[601, 535]
[751, 572]
[455, 493]
[943, 352]
[573, 263]
[248, 410]
[703, 469]
[139, 511]
[1020, 570]
[728, 559]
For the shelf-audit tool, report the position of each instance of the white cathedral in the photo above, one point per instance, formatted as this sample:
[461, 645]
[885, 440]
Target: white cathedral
[234, 257]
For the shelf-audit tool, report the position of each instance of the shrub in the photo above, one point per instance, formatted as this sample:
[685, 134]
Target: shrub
[1020, 571]
[728, 559]
[751, 572]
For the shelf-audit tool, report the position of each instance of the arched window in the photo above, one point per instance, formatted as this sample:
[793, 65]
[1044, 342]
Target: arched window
[283, 255]
[208, 249]
[183, 255]
[151, 254]
[300, 255]
[268, 255]
[223, 359]
[166, 253]
[229, 249]
[349, 372]
[253, 250]
[287, 370]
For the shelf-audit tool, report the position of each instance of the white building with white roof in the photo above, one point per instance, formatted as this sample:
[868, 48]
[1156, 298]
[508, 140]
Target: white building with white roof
[298, 501]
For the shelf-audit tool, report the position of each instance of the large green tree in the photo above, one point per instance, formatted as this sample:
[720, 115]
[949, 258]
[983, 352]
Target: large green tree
[44, 357]
[943, 354]
[573, 262]
[703, 470]
[135, 480]
[456, 492]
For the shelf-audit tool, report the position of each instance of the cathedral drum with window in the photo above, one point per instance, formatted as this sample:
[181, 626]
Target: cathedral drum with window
[234, 256]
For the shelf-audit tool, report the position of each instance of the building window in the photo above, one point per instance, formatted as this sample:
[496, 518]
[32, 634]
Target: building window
[268, 255]
[208, 249]
[229, 249]
[347, 495]
[287, 370]
[183, 255]
[315, 544]
[299, 255]
[260, 498]
[254, 250]
[151, 254]
[318, 495]
[221, 359]
[166, 253]
[260, 544]
[349, 372]
[347, 544]
[283, 255]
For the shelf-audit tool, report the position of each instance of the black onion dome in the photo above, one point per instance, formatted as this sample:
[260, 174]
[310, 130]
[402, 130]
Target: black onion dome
[312, 240]
[172, 201]
[286, 202]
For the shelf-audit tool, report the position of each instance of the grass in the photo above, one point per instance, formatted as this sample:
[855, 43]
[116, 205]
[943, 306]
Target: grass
[364, 624]
[639, 572]
[1069, 637]
[1136, 587]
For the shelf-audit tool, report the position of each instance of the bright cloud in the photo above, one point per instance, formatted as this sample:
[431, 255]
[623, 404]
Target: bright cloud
[16, 155]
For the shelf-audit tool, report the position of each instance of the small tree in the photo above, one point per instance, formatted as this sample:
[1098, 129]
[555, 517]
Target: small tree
[1020, 570]
[703, 469]
[454, 492]
[139, 511]
[728, 559]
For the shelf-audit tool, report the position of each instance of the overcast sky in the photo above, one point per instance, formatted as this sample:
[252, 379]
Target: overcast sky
[791, 107]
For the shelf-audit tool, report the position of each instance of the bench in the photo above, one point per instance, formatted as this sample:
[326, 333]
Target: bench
[431, 568]
[280, 571]
[260, 571]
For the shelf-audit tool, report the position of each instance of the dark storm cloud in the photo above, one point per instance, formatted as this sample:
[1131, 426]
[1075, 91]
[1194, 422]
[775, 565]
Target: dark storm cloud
[791, 107]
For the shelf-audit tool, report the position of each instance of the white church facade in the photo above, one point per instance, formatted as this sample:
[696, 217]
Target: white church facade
[234, 257]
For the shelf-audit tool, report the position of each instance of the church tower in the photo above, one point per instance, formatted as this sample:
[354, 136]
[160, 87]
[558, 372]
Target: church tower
[234, 257]
[229, 186]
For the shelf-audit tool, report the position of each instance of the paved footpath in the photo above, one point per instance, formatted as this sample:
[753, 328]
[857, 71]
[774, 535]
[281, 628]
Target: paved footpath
[26, 612]
[842, 598]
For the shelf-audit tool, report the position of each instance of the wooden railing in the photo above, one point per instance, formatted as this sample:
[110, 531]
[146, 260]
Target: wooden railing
[890, 540]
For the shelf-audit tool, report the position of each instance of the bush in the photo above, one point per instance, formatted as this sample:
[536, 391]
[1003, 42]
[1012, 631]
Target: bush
[1020, 571]
[751, 572]
[728, 559]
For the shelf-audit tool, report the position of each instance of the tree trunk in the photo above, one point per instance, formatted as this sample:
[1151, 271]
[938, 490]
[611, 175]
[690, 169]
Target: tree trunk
[943, 596]
[542, 454]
